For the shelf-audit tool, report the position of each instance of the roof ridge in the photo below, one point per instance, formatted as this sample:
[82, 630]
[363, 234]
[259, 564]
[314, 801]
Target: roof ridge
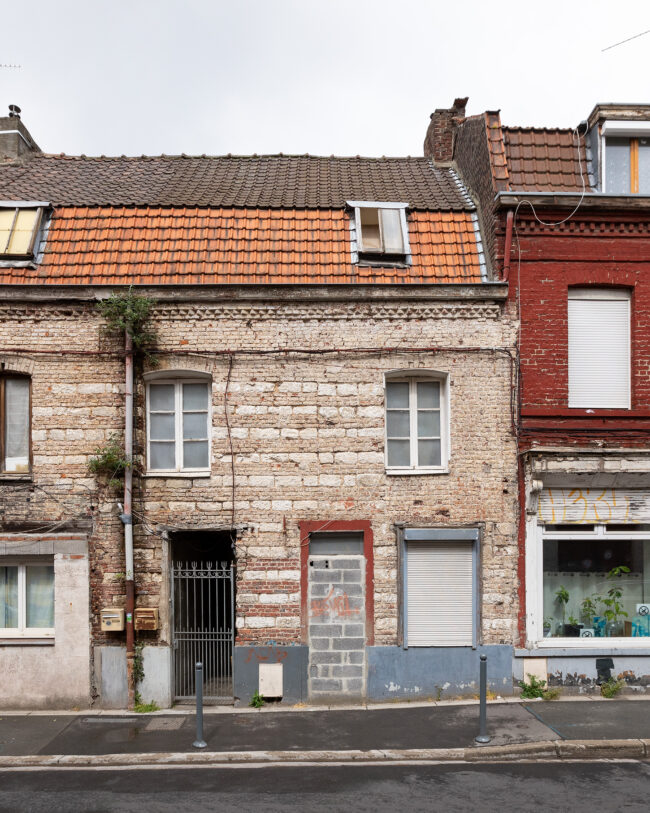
[530, 128]
[253, 156]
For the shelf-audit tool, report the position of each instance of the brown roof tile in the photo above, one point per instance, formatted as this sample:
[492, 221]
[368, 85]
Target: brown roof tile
[121, 246]
[268, 181]
[544, 160]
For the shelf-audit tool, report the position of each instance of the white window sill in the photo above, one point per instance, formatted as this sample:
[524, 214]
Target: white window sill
[606, 644]
[187, 475]
[26, 640]
[411, 472]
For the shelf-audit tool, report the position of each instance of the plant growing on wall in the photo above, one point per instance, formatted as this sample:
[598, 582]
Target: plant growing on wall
[131, 312]
[109, 462]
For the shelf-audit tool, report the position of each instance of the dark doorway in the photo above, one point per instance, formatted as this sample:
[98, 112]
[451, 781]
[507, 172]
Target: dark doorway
[203, 604]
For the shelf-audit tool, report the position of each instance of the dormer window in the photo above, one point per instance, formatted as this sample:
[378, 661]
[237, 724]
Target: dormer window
[627, 158]
[19, 226]
[381, 231]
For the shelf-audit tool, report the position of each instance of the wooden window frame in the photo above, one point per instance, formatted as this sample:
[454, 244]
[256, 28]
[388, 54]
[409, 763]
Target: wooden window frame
[632, 131]
[4, 376]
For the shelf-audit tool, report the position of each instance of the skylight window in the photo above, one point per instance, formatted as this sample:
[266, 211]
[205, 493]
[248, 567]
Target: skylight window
[19, 225]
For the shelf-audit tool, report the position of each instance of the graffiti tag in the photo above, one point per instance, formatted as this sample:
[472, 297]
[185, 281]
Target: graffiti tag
[337, 605]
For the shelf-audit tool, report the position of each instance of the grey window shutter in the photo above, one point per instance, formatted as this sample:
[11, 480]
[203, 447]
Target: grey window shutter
[440, 594]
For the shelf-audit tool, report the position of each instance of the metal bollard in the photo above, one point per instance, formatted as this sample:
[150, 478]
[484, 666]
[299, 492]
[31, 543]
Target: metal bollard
[199, 742]
[482, 724]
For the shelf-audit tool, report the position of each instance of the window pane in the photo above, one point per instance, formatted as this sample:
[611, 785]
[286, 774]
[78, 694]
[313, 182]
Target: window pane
[161, 397]
[399, 453]
[617, 166]
[397, 395]
[195, 425]
[195, 396]
[428, 453]
[596, 588]
[644, 166]
[428, 394]
[195, 455]
[162, 455]
[21, 236]
[371, 240]
[428, 424]
[39, 586]
[8, 597]
[161, 427]
[17, 423]
[392, 231]
[6, 219]
[397, 424]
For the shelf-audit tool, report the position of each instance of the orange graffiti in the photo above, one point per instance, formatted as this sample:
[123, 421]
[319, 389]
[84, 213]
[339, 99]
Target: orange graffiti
[337, 605]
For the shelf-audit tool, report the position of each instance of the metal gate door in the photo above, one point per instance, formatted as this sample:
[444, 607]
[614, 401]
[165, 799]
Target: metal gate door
[203, 613]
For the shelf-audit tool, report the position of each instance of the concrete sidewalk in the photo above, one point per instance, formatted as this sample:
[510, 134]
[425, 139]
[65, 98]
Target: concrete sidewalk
[431, 732]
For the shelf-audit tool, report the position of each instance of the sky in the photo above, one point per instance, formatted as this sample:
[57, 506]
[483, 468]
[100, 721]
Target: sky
[343, 77]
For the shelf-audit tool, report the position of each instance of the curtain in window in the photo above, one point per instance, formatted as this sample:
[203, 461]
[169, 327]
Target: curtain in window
[39, 588]
[17, 423]
[8, 597]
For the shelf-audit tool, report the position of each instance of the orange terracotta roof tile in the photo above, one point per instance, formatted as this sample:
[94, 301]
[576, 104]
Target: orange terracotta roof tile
[120, 246]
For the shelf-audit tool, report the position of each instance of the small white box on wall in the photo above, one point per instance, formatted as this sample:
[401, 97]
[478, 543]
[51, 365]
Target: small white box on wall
[270, 680]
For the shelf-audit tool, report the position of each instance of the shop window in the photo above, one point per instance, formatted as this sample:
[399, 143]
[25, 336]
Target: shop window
[14, 424]
[416, 424]
[599, 348]
[178, 426]
[596, 584]
[26, 600]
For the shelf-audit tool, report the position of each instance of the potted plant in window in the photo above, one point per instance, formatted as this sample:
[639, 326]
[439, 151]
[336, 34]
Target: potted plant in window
[572, 629]
[614, 612]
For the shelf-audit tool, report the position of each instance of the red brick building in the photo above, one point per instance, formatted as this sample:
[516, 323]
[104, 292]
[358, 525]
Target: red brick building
[566, 215]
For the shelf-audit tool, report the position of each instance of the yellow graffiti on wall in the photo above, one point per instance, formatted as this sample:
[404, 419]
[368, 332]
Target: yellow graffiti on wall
[583, 506]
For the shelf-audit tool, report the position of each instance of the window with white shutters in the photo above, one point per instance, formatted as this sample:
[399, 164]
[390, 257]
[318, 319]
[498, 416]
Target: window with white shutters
[599, 348]
[440, 588]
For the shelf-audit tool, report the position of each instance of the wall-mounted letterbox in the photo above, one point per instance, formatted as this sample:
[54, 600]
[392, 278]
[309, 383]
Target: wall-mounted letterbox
[112, 619]
[146, 618]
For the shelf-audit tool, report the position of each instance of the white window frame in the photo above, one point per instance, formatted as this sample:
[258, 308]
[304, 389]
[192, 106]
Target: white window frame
[371, 254]
[177, 381]
[535, 589]
[413, 377]
[620, 129]
[601, 294]
[22, 631]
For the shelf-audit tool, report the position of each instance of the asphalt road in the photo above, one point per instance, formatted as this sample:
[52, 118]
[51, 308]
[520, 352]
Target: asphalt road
[606, 787]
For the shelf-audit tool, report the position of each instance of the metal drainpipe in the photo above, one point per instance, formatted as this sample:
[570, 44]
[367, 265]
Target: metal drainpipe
[127, 518]
[508, 246]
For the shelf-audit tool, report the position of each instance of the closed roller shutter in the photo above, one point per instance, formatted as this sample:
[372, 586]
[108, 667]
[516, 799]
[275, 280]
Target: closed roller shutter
[599, 350]
[439, 589]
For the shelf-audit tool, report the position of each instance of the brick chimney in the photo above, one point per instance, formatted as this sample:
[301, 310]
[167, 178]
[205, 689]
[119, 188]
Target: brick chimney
[15, 141]
[439, 140]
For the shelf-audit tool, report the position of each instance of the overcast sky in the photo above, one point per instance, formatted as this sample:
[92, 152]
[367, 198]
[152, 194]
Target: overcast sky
[335, 76]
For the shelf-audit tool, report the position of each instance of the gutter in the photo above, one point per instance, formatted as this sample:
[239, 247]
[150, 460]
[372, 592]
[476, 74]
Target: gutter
[590, 200]
[508, 246]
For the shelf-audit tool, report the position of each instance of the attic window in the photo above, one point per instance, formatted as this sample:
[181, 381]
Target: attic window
[627, 157]
[381, 230]
[19, 225]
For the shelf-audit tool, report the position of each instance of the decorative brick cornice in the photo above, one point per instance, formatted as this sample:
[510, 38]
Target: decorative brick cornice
[327, 312]
[40, 313]
[633, 228]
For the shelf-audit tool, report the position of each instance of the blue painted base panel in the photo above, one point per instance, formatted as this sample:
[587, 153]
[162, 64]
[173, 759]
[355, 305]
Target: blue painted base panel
[246, 664]
[435, 672]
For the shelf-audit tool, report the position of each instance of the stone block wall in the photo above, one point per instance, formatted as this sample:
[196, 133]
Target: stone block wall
[307, 436]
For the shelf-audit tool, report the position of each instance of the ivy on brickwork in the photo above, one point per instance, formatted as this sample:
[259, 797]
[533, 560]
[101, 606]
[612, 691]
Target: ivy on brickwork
[131, 312]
